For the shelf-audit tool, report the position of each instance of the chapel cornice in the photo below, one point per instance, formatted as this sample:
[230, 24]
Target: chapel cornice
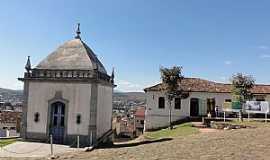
[92, 76]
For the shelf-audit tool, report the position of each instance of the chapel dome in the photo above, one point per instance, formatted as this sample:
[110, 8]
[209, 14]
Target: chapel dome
[72, 55]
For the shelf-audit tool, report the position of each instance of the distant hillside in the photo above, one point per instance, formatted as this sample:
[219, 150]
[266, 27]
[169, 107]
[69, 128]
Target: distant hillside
[17, 95]
[9, 95]
[129, 96]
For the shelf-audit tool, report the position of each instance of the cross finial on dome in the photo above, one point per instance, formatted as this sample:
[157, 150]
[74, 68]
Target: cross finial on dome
[28, 65]
[112, 76]
[78, 32]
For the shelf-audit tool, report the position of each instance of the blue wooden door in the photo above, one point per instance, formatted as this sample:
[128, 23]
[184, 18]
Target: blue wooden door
[58, 122]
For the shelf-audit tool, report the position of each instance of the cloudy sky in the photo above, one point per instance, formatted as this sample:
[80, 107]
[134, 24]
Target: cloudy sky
[211, 39]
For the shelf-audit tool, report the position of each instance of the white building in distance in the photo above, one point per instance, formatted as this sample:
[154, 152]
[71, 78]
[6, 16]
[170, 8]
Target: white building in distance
[201, 97]
[67, 94]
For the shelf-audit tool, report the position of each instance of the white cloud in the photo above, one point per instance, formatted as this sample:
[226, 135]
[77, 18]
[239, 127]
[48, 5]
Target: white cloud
[263, 47]
[126, 86]
[228, 62]
[222, 79]
[265, 56]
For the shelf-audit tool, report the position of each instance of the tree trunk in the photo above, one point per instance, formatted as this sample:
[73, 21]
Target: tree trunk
[240, 116]
[170, 115]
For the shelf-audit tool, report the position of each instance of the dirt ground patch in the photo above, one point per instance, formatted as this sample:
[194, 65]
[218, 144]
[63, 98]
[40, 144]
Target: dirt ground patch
[21, 149]
[241, 144]
[208, 130]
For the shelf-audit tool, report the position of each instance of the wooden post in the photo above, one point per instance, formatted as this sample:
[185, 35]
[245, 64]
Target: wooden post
[240, 116]
[224, 116]
[134, 126]
[91, 138]
[265, 117]
[51, 141]
[78, 141]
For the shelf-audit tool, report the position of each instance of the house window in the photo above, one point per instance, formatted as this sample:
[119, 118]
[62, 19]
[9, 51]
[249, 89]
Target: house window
[260, 99]
[161, 102]
[142, 122]
[177, 103]
[228, 100]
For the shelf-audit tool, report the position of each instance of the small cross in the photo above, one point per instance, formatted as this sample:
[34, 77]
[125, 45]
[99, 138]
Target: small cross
[78, 32]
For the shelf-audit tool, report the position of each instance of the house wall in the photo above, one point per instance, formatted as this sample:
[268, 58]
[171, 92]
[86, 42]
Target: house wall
[203, 96]
[156, 117]
[104, 109]
[8, 133]
[267, 98]
[8, 125]
[138, 120]
[78, 96]
[139, 126]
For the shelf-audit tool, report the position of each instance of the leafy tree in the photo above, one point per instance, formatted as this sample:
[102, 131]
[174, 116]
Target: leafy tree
[242, 84]
[241, 87]
[171, 77]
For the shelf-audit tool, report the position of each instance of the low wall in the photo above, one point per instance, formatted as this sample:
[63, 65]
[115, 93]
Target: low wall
[8, 133]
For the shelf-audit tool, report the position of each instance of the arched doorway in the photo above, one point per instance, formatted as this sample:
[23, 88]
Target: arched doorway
[58, 122]
[194, 107]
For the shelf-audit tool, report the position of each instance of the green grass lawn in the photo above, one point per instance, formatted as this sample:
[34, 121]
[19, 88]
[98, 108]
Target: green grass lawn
[4, 142]
[178, 131]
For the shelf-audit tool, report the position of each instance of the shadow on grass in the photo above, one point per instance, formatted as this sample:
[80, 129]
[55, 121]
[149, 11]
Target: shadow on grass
[134, 144]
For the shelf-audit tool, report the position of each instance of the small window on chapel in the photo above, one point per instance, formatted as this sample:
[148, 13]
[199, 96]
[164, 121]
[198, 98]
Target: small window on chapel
[177, 103]
[161, 102]
[78, 119]
[36, 117]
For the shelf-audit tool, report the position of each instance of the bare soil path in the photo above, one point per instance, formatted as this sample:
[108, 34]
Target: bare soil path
[239, 144]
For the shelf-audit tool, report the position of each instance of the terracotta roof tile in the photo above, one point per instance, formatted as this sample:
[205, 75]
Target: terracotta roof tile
[201, 85]
[140, 112]
[9, 116]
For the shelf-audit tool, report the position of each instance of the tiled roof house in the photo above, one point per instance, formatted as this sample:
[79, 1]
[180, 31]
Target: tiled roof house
[201, 85]
[202, 97]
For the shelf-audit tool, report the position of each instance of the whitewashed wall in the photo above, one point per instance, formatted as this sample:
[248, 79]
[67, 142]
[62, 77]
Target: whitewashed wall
[78, 96]
[219, 98]
[156, 117]
[104, 109]
[267, 98]
[7, 125]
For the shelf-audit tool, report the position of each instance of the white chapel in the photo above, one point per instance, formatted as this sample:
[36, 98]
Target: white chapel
[67, 94]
